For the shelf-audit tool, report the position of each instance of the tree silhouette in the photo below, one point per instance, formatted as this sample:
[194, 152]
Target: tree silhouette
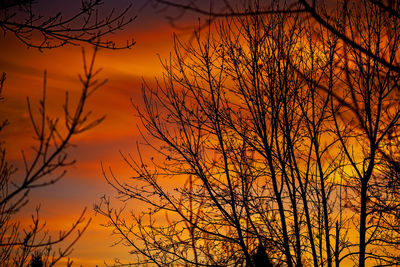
[319, 11]
[270, 137]
[20, 18]
[44, 167]
[49, 161]
[36, 260]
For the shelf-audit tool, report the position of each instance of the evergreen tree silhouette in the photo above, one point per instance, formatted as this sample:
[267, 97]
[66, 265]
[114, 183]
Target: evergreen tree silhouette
[260, 258]
[36, 260]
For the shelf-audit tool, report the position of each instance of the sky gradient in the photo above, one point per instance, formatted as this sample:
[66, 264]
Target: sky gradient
[84, 184]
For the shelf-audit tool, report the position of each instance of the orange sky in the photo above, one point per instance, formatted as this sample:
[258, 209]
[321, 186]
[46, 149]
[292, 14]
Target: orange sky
[84, 184]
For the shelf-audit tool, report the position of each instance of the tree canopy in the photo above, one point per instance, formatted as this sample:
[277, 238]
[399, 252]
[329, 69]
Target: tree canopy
[275, 142]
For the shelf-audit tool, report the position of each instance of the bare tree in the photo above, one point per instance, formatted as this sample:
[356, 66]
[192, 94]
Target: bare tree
[21, 18]
[21, 244]
[47, 165]
[320, 11]
[275, 133]
[373, 96]
[230, 114]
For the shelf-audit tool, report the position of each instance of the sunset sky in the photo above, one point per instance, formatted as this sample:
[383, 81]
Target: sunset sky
[272, 137]
[84, 184]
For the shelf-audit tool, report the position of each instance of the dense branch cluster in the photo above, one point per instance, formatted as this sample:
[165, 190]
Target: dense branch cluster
[314, 9]
[280, 139]
[20, 18]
